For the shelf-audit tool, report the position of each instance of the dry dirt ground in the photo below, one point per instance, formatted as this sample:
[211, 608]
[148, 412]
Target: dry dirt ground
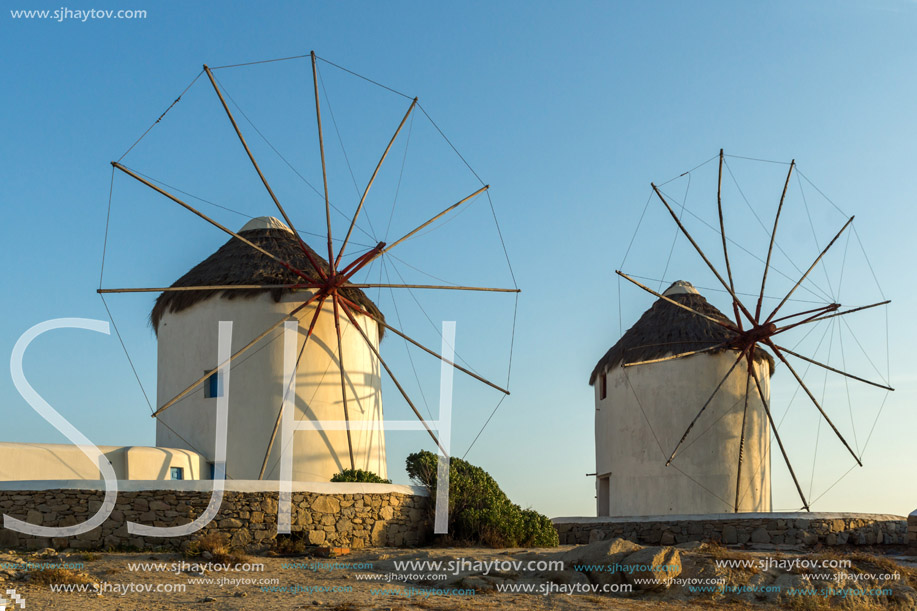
[375, 579]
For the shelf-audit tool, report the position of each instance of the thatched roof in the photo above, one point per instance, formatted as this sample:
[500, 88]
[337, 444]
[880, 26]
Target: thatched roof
[238, 263]
[667, 329]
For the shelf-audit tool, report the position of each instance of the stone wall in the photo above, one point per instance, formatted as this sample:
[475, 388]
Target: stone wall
[248, 518]
[774, 528]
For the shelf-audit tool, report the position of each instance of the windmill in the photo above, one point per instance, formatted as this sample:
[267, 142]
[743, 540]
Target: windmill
[318, 292]
[752, 332]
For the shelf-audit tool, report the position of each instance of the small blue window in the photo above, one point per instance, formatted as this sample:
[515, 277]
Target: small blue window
[213, 386]
[177, 472]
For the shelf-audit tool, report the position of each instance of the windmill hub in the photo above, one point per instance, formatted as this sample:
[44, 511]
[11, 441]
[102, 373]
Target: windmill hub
[748, 339]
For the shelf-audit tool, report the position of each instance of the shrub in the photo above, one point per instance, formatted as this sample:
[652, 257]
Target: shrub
[359, 475]
[479, 512]
[217, 545]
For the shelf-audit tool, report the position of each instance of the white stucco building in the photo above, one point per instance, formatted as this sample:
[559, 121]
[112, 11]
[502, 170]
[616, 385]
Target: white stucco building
[643, 411]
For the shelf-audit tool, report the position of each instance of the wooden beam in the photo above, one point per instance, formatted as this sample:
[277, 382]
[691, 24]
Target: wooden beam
[337, 330]
[811, 267]
[719, 207]
[770, 247]
[675, 356]
[703, 256]
[704, 406]
[270, 444]
[404, 394]
[827, 316]
[770, 418]
[251, 157]
[727, 325]
[321, 146]
[370, 183]
[378, 320]
[829, 368]
[210, 220]
[450, 208]
[217, 287]
[742, 438]
[432, 286]
[241, 351]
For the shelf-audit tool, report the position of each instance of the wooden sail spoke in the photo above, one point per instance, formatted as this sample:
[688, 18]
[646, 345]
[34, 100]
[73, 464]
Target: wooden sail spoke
[703, 256]
[379, 321]
[441, 214]
[440, 287]
[370, 183]
[404, 394]
[211, 221]
[770, 247]
[722, 323]
[770, 419]
[808, 271]
[217, 287]
[675, 356]
[827, 316]
[321, 146]
[829, 368]
[783, 359]
[742, 440]
[704, 406]
[251, 157]
[239, 353]
[337, 330]
[270, 444]
[719, 206]
[817, 311]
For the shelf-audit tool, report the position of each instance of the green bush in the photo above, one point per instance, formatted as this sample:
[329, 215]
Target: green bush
[479, 512]
[359, 475]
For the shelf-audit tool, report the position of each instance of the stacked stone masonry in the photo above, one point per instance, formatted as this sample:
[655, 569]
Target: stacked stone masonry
[777, 529]
[248, 519]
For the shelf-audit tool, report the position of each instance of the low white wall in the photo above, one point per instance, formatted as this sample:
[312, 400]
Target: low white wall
[53, 461]
[230, 485]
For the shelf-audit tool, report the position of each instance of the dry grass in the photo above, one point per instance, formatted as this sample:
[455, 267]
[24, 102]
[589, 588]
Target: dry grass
[55, 576]
[217, 545]
[717, 551]
[289, 545]
[821, 603]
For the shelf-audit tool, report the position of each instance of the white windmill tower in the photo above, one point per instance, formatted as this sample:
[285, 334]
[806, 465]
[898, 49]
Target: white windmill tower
[644, 397]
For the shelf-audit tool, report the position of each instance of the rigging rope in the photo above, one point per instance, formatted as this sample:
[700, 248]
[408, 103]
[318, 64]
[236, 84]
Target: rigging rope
[683, 205]
[263, 61]
[177, 100]
[338, 132]
[404, 158]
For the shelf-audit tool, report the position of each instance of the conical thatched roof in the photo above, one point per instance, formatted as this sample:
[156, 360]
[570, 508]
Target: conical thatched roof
[238, 263]
[667, 329]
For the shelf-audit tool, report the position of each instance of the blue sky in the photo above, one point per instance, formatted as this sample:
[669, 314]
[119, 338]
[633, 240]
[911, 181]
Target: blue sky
[568, 110]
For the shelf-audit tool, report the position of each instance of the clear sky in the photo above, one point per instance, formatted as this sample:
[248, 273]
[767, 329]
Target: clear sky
[568, 110]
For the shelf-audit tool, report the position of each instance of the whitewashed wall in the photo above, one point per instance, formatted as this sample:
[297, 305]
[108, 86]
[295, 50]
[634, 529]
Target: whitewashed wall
[188, 347]
[670, 394]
